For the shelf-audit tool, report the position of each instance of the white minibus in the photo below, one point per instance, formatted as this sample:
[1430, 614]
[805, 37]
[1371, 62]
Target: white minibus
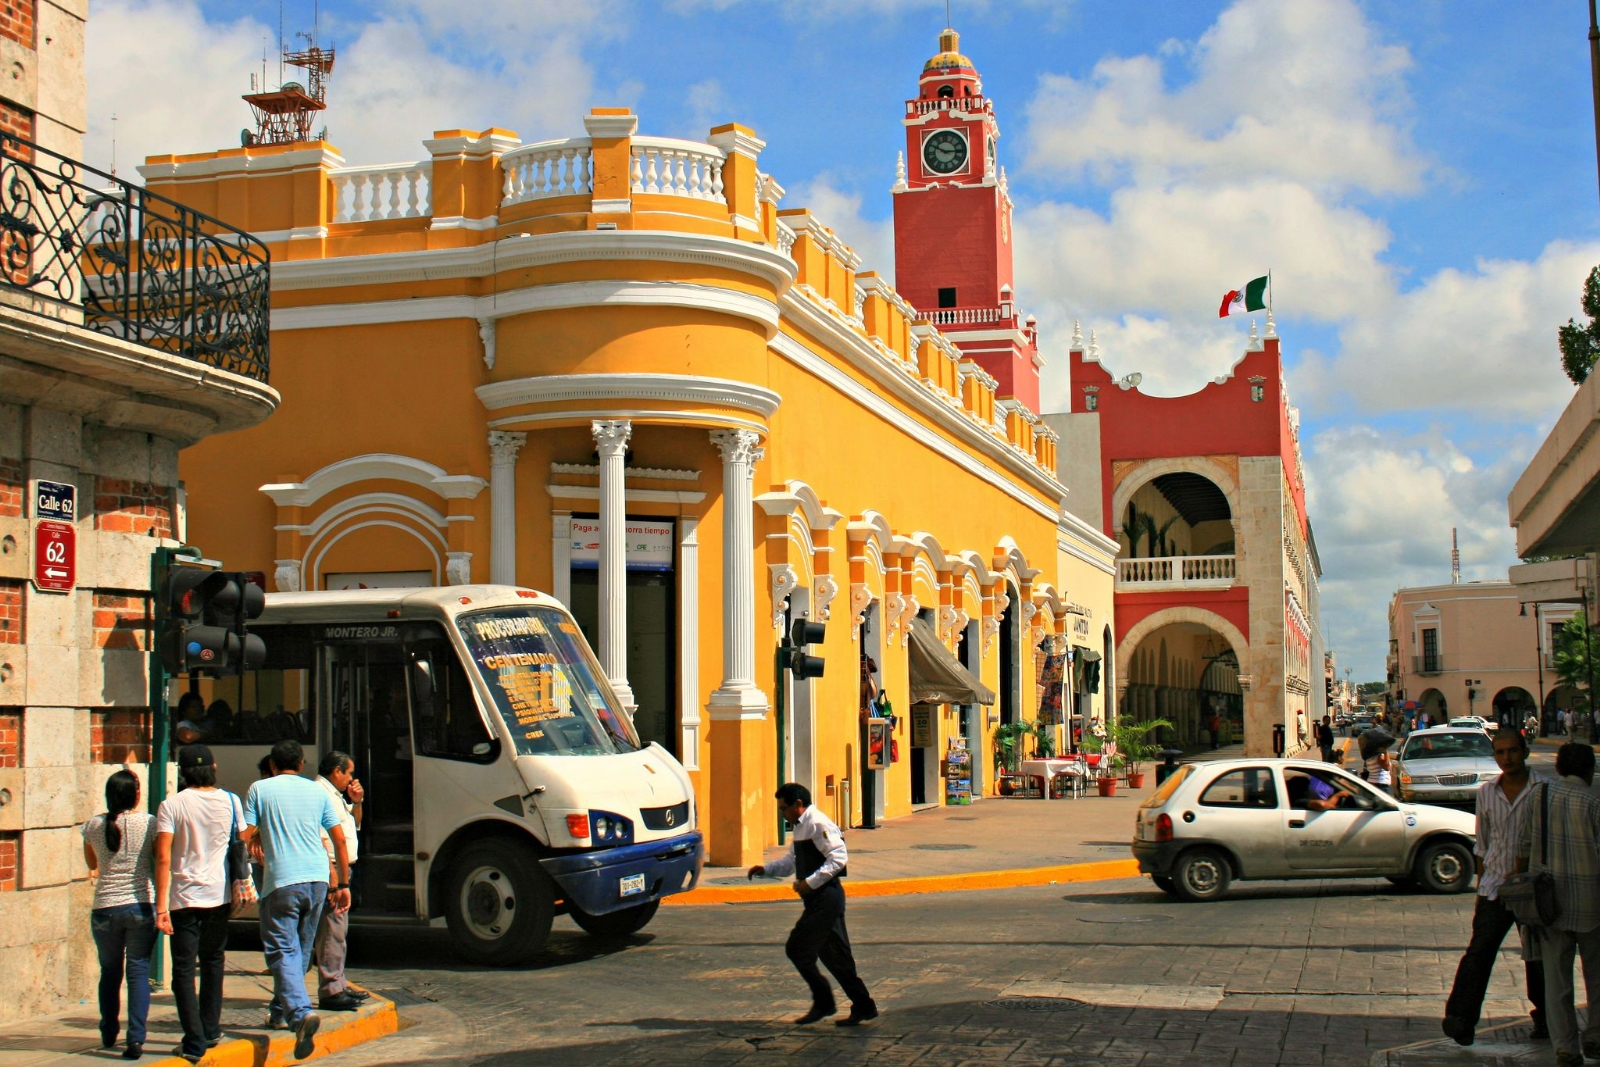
[504, 783]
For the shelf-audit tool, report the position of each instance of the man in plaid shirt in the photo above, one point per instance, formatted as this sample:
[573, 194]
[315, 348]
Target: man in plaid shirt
[1573, 859]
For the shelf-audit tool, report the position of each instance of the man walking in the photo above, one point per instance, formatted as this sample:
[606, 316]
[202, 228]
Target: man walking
[1568, 814]
[817, 858]
[1325, 738]
[1500, 807]
[290, 814]
[336, 775]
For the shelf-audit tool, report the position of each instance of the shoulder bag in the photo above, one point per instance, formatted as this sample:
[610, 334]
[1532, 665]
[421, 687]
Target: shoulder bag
[1531, 895]
[236, 865]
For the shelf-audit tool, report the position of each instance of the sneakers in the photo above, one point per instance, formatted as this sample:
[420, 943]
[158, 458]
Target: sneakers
[305, 1040]
[1458, 1030]
[858, 1016]
[816, 1014]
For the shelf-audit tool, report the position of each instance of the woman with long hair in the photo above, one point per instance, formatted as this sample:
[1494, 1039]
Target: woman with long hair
[118, 847]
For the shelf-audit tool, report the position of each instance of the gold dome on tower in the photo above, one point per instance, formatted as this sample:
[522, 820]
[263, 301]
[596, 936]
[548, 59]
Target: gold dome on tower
[949, 57]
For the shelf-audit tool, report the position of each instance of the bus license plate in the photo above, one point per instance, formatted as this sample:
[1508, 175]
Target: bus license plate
[631, 884]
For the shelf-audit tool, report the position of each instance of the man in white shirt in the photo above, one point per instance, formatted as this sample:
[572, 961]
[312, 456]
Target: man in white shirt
[1500, 805]
[336, 775]
[817, 859]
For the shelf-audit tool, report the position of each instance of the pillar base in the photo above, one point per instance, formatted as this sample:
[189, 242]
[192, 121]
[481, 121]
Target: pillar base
[745, 702]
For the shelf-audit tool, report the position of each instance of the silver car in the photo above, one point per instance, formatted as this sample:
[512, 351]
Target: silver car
[1211, 823]
[1444, 765]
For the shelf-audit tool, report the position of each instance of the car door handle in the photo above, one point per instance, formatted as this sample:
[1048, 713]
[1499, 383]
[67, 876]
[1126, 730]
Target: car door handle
[1297, 824]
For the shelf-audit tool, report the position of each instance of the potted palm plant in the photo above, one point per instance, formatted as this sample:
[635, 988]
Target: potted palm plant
[1007, 744]
[1106, 774]
[1135, 747]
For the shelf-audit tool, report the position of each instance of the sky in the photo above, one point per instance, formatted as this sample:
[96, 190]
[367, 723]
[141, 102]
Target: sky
[1418, 175]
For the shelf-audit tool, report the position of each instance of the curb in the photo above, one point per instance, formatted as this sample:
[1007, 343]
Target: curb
[1099, 871]
[340, 1031]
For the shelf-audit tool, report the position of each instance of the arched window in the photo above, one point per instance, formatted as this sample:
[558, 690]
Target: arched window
[946, 91]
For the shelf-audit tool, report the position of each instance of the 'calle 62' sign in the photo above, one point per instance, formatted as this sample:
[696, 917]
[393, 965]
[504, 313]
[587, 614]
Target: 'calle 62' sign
[55, 556]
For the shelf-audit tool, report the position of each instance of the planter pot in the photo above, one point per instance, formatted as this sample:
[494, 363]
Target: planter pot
[1136, 781]
[1108, 786]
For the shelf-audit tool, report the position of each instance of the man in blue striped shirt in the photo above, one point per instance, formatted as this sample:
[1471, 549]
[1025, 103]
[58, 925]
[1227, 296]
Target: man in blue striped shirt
[291, 813]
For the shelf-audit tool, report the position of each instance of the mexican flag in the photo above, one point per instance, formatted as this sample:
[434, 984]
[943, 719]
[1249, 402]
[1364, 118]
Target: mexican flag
[1249, 297]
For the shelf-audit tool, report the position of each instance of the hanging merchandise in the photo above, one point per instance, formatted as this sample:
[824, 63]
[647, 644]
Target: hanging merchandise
[1052, 676]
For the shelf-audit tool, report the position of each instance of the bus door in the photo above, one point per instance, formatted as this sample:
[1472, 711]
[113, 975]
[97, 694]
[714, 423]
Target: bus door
[363, 686]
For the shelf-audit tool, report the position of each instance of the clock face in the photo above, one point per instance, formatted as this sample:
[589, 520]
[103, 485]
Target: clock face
[945, 152]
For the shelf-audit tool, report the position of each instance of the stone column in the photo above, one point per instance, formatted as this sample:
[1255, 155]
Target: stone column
[503, 449]
[738, 691]
[611, 439]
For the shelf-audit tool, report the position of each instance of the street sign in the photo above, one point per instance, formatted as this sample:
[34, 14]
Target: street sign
[55, 556]
[55, 500]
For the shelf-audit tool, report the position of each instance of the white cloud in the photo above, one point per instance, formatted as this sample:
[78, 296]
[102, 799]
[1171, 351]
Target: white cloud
[840, 211]
[708, 106]
[170, 74]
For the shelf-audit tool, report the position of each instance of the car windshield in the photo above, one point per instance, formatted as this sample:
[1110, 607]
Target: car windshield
[1168, 787]
[1465, 744]
[546, 683]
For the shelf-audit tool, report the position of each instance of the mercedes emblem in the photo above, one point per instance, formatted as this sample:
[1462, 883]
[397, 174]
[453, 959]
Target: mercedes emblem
[672, 816]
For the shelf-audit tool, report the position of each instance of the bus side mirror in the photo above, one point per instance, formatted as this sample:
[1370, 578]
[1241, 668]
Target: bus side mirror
[422, 681]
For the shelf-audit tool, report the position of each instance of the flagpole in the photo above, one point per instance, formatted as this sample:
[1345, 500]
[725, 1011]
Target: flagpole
[1269, 288]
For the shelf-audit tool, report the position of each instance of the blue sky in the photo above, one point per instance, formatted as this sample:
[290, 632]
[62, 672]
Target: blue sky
[1419, 174]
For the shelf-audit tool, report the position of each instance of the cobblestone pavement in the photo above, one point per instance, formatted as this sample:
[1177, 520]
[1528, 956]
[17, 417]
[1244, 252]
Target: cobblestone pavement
[1109, 973]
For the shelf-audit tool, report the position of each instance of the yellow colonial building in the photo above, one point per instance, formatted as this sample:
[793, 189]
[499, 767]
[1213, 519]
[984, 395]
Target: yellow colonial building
[613, 368]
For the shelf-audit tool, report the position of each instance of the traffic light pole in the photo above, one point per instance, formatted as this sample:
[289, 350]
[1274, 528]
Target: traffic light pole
[780, 690]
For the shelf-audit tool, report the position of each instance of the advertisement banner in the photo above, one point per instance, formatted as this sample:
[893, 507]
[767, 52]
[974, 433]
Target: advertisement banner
[649, 544]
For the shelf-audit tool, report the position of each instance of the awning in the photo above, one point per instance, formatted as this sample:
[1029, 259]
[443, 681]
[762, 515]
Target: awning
[937, 677]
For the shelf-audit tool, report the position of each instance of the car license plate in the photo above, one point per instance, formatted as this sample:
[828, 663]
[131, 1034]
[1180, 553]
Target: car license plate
[1461, 794]
[631, 884]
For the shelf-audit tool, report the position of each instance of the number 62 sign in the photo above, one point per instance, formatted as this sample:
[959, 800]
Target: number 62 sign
[55, 556]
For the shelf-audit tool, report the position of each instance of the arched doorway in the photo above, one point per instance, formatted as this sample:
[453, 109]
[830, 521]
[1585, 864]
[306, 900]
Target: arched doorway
[1188, 674]
[1437, 707]
[1512, 705]
[1175, 529]
[1562, 698]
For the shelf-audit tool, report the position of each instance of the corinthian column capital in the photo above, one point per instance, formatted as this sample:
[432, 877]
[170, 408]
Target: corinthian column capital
[611, 436]
[504, 445]
[736, 446]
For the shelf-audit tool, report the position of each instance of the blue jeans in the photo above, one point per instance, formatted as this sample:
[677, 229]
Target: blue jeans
[289, 917]
[124, 937]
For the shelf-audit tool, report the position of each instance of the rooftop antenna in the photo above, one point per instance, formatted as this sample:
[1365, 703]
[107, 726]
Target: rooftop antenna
[284, 115]
[113, 144]
[1455, 558]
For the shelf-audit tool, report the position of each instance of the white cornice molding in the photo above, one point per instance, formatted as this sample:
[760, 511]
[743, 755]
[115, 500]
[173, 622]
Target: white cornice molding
[537, 298]
[560, 388]
[639, 496]
[245, 162]
[480, 147]
[523, 251]
[1068, 524]
[738, 141]
[375, 466]
[1013, 468]
[805, 223]
[592, 470]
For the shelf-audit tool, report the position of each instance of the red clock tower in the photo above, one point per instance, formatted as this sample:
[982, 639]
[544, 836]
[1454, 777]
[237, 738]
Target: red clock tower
[952, 225]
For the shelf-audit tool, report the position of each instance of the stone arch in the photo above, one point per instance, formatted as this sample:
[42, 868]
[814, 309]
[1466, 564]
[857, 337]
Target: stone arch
[1166, 616]
[1148, 471]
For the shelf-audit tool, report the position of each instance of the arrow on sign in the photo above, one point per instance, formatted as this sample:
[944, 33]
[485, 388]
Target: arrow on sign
[51, 572]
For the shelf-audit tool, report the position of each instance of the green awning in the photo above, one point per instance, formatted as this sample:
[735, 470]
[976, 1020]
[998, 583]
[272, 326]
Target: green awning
[937, 677]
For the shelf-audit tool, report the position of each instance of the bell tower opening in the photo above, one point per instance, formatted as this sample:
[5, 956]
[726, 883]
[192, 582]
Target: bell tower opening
[952, 225]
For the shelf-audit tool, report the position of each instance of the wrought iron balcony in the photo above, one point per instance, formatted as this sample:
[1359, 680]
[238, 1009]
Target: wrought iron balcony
[134, 264]
[1426, 664]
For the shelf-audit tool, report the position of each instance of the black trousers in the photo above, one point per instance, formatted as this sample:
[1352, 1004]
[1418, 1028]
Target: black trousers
[199, 938]
[820, 935]
[1491, 921]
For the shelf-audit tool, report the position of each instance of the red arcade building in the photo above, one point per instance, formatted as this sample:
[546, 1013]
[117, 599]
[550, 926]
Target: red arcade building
[1216, 589]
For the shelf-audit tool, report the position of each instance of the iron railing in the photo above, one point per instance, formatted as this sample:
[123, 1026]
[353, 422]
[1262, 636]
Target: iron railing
[140, 267]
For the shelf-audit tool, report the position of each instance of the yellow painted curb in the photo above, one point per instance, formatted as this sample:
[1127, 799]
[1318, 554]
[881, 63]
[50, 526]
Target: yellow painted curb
[1102, 870]
[276, 1049]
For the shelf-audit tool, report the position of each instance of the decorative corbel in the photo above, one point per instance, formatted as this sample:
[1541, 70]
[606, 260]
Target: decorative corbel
[947, 622]
[860, 597]
[784, 579]
[823, 593]
[908, 611]
[458, 568]
[486, 334]
[287, 576]
[991, 630]
[892, 604]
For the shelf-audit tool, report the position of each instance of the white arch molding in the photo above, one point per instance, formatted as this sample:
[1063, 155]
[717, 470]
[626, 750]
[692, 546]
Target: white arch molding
[1151, 469]
[1129, 645]
[315, 563]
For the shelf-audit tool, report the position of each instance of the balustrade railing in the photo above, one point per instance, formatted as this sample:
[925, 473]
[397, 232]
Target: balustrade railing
[548, 168]
[671, 167]
[1177, 570]
[395, 191]
[946, 103]
[961, 316]
[138, 266]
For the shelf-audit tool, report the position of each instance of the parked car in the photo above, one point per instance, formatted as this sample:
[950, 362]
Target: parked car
[1444, 764]
[1359, 722]
[1210, 824]
[1477, 721]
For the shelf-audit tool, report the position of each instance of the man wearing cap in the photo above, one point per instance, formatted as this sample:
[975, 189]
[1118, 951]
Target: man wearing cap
[192, 905]
[290, 814]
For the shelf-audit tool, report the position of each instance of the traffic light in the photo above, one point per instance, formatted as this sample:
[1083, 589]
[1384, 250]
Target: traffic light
[206, 616]
[802, 633]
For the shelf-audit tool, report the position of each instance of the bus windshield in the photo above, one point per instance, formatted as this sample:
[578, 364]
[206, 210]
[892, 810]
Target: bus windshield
[546, 683]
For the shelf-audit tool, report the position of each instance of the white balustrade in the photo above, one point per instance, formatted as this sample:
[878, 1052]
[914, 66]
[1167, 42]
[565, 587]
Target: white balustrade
[946, 103]
[1177, 570]
[785, 238]
[546, 169]
[670, 167]
[394, 191]
[962, 316]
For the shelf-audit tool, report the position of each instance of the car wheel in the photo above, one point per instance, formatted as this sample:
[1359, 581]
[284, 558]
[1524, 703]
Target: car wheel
[499, 903]
[1444, 868]
[1201, 874]
[1165, 884]
[614, 925]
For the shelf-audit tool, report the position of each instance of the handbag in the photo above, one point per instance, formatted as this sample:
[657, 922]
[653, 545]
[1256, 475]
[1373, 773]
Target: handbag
[236, 866]
[1531, 896]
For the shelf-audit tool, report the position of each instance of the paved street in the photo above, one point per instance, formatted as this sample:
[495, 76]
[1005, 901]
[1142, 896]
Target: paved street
[1114, 972]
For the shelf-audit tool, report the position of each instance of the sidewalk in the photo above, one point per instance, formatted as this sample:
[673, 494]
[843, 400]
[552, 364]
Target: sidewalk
[73, 1037]
[996, 842]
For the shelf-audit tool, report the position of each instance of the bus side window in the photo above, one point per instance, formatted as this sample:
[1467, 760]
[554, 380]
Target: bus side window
[447, 722]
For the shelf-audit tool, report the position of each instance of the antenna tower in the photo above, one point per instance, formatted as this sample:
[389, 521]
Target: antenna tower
[1455, 558]
[285, 115]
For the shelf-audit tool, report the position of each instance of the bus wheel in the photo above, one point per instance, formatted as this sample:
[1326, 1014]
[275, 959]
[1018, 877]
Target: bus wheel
[615, 924]
[500, 903]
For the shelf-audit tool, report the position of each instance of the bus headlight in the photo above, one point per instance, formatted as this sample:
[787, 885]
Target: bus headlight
[602, 826]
